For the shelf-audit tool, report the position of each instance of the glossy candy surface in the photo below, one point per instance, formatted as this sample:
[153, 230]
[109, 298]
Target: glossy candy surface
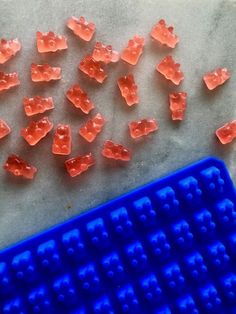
[115, 151]
[19, 167]
[216, 78]
[227, 133]
[142, 127]
[178, 104]
[37, 104]
[170, 70]
[164, 34]
[81, 28]
[75, 166]
[128, 89]
[8, 80]
[4, 129]
[36, 130]
[8, 49]
[79, 98]
[104, 53]
[133, 51]
[44, 73]
[92, 69]
[50, 42]
[62, 140]
[92, 128]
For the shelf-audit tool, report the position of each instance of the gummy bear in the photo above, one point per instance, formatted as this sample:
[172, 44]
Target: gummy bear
[133, 51]
[177, 105]
[104, 53]
[8, 49]
[62, 140]
[227, 133]
[164, 34]
[37, 105]
[92, 128]
[49, 42]
[4, 129]
[170, 70]
[75, 166]
[44, 73]
[92, 68]
[216, 78]
[128, 89]
[19, 167]
[79, 99]
[8, 80]
[142, 127]
[115, 151]
[36, 130]
[81, 28]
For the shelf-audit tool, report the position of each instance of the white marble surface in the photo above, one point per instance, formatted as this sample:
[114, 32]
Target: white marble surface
[207, 40]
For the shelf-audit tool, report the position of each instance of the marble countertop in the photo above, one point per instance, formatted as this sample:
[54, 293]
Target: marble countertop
[207, 40]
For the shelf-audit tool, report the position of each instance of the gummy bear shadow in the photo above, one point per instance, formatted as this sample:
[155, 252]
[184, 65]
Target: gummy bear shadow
[210, 95]
[158, 49]
[221, 149]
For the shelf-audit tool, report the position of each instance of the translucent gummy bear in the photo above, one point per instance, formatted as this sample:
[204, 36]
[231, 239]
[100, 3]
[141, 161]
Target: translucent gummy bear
[79, 98]
[50, 42]
[19, 167]
[8, 49]
[44, 73]
[92, 68]
[142, 127]
[4, 129]
[128, 89]
[92, 128]
[62, 140]
[178, 103]
[164, 34]
[170, 70]
[81, 28]
[8, 80]
[75, 166]
[133, 51]
[115, 151]
[216, 78]
[37, 104]
[227, 133]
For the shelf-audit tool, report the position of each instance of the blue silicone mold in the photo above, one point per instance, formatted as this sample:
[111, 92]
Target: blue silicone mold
[167, 247]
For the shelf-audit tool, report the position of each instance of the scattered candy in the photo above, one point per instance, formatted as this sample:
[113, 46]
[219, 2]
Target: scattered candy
[227, 133]
[92, 68]
[62, 140]
[79, 99]
[128, 89]
[44, 73]
[170, 70]
[19, 167]
[142, 127]
[75, 166]
[8, 49]
[81, 28]
[36, 130]
[164, 34]
[4, 129]
[49, 42]
[133, 51]
[8, 80]
[216, 78]
[92, 128]
[37, 105]
[104, 53]
[115, 151]
[178, 105]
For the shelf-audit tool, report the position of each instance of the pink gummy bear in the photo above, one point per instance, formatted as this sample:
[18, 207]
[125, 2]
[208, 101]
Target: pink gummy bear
[81, 28]
[178, 105]
[79, 98]
[92, 68]
[36, 130]
[44, 73]
[8, 80]
[8, 49]
[216, 78]
[50, 42]
[170, 70]
[142, 127]
[164, 34]
[37, 105]
[92, 128]
[227, 133]
[128, 89]
[115, 151]
[19, 167]
[133, 51]
[75, 166]
[62, 140]
[104, 53]
[4, 129]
